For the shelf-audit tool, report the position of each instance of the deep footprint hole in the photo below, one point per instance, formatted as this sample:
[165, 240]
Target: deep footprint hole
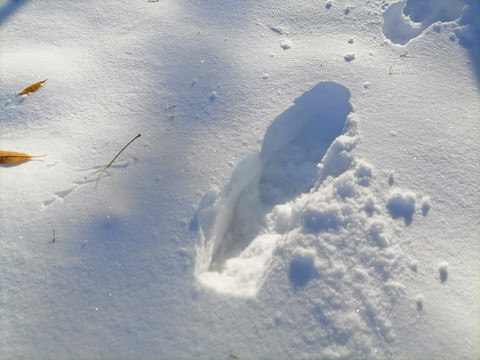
[294, 145]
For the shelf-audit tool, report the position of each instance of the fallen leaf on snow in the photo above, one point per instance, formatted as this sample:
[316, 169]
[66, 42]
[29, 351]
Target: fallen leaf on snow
[32, 88]
[12, 157]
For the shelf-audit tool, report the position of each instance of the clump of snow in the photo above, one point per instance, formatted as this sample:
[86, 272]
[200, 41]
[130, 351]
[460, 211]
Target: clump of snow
[443, 271]
[420, 302]
[285, 44]
[213, 96]
[349, 57]
[401, 204]
[426, 201]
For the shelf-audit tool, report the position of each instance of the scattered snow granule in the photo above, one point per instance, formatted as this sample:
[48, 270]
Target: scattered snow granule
[370, 205]
[285, 44]
[401, 204]
[391, 178]
[443, 270]
[265, 76]
[419, 302]
[328, 5]
[425, 205]
[375, 232]
[213, 96]
[363, 172]
[349, 57]
[350, 41]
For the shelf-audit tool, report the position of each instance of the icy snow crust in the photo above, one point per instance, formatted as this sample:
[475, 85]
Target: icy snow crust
[305, 186]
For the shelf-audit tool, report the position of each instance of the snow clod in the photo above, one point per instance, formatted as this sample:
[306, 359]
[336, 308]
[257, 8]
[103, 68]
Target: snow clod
[402, 204]
[285, 44]
[213, 96]
[419, 302]
[443, 271]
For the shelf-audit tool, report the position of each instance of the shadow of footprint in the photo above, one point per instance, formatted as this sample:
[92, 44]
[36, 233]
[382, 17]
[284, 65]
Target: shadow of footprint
[285, 168]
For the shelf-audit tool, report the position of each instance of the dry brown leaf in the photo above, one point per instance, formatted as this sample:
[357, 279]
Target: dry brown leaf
[13, 157]
[32, 88]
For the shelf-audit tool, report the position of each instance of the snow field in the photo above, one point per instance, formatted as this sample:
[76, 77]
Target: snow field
[337, 225]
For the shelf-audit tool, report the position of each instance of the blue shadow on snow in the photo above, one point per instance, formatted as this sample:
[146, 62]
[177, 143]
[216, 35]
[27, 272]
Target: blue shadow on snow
[9, 9]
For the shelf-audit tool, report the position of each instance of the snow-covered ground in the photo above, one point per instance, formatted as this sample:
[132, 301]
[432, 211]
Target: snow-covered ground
[306, 185]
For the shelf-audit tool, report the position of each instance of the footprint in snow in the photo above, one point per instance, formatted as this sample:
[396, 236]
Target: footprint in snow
[286, 167]
[303, 187]
[404, 21]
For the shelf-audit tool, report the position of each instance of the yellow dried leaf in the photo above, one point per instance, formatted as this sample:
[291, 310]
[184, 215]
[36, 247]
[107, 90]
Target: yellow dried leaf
[32, 88]
[13, 157]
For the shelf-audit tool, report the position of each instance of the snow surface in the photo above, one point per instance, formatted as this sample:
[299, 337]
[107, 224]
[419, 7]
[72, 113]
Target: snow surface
[305, 186]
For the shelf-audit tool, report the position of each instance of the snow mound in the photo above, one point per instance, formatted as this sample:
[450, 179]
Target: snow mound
[304, 191]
